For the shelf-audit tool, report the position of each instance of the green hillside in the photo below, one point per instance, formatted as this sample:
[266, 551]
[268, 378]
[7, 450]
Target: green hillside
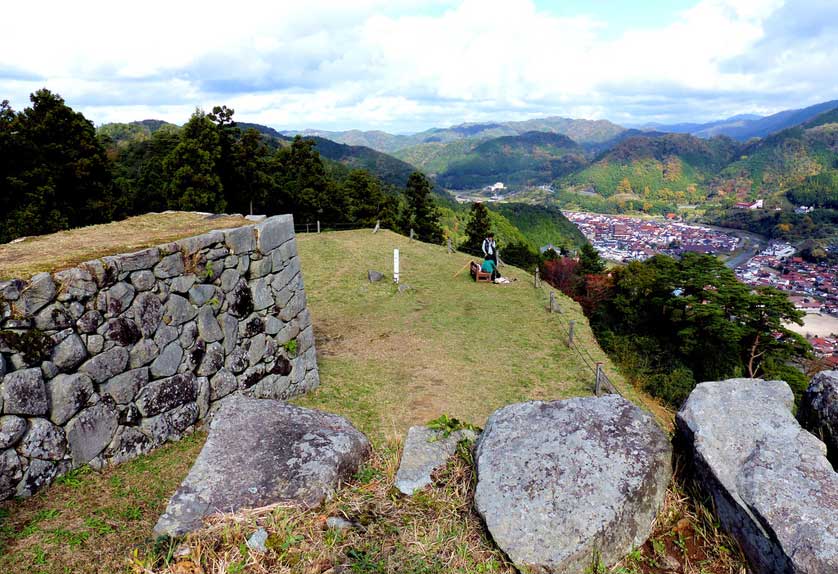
[541, 225]
[665, 167]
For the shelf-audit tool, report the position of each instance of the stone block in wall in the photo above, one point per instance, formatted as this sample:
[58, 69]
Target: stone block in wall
[167, 363]
[24, 393]
[12, 428]
[165, 394]
[90, 431]
[34, 295]
[147, 312]
[75, 284]
[69, 352]
[192, 245]
[273, 232]
[68, 394]
[178, 311]
[142, 280]
[11, 471]
[208, 327]
[240, 240]
[40, 474]
[170, 266]
[139, 260]
[43, 440]
[106, 365]
[123, 388]
[212, 360]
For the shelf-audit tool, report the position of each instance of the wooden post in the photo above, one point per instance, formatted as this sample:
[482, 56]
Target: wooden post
[598, 383]
[377, 226]
[318, 226]
[395, 265]
[450, 251]
[552, 301]
[537, 278]
[306, 227]
[570, 333]
[411, 234]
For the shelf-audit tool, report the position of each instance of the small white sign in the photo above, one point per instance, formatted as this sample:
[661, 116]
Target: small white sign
[395, 265]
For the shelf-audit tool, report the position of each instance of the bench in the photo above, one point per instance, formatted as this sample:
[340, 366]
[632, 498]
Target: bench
[478, 274]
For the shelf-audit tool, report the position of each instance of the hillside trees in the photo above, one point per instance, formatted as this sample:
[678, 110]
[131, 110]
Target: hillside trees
[55, 173]
[420, 213]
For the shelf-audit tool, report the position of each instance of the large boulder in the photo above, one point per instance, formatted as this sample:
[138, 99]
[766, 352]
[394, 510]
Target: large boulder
[818, 411]
[773, 487]
[260, 452]
[561, 482]
[426, 450]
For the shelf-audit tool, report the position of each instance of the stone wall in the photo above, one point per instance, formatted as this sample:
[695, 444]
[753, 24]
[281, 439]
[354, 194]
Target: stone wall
[108, 360]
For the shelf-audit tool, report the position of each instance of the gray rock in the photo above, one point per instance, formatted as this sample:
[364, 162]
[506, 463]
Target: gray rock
[294, 306]
[95, 344]
[244, 264]
[194, 244]
[260, 267]
[11, 429]
[818, 411]
[425, 451]
[90, 321]
[90, 431]
[229, 278]
[257, 349]
[147, 312]
[69, 353]
[273, 232]
[169, 266]
[183, 283]
[165, 335]
[236, 361]
[122, 331]
[256, 541]
[119, 298]
[109, 364]
[339, 523]
[169, 360]
[203, 399]
[230, 328]
[49, 370]
[144, 352]
[260, 452]
[218, 253]
[188, 334]
[163, 395]
[240, 240]
[24, 393]
[178, 311]
[43, 440]
[286, 251]
[11, 472]
[40, 474]
[37, 294]
[212, 361]
[75, 284]
[374, 276]
[262, 295]
[76, 310]
[272, 325]
[123, 388]
[559, 482]
[10, 290]
[773, 488]
[68, 394]
[2, 374]
[200, 294]
[208, 327]
[139, 260]
[142, 280]
[222, 384]
[104, 271]
[52, 317]
[127, 443]
[169, 425]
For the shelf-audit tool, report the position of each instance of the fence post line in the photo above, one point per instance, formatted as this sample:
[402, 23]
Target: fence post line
[377, 226]
[395, 265]
[318, 226]
[411, 234]
[450, 251]
[552, 301]
[307, 227]
[537, 278]
[570, 333]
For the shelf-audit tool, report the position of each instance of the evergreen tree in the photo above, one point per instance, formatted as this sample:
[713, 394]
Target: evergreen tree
[190, 168]
[420, 213]
[302, 185]
[365, 196]
[252, 181]
[590, 263]
[477, 228]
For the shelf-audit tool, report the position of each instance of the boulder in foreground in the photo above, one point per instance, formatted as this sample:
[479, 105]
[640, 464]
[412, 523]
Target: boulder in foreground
[426, 450]
[260, 452]
[773, 487]
[562, 482]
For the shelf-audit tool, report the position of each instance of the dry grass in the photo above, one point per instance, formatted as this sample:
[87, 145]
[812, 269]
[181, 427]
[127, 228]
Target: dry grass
[68, 248]
[433, 532]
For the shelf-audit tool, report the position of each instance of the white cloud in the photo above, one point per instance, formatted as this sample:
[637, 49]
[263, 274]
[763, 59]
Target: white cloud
[409, 64]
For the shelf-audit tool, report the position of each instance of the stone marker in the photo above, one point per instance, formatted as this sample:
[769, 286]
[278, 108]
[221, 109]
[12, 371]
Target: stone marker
[773, 488]
[818, 411]
[562, 482]
[259, 452]
[426, 450]
[374, 276]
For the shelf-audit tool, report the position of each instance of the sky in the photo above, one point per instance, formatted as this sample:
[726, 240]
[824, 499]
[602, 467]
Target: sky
[408, 65]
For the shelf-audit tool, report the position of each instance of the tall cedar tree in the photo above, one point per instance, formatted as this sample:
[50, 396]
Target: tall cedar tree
[477, 228]
[420, 213]
[55, 173]
[590, 263]
[190, 168]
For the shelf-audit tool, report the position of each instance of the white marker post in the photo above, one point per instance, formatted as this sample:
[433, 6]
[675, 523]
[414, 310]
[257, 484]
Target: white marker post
[395, 265]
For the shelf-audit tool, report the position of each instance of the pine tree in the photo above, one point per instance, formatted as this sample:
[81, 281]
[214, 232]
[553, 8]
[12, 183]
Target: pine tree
[590, 263]
[477, 228]
[420, 213]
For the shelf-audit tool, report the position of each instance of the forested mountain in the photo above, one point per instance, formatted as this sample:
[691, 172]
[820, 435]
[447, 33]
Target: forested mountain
[668, 167]
[581, 131]
[531, 158]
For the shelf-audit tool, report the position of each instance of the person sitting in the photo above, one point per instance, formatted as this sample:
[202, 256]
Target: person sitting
[489, 266]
